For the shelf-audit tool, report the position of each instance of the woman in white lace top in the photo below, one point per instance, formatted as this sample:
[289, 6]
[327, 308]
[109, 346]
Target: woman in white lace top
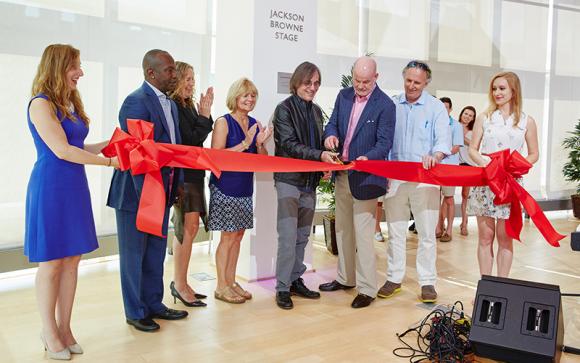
[504, 125]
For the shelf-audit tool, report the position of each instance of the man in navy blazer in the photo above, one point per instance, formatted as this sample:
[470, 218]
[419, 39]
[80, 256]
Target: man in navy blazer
[361, 127]
[141, 255]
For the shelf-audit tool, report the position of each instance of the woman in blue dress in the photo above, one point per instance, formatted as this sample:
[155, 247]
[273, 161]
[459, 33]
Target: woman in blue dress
[230, 205]
[59, 219]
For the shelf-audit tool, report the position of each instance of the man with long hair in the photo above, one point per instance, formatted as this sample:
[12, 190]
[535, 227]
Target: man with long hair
[297, 134]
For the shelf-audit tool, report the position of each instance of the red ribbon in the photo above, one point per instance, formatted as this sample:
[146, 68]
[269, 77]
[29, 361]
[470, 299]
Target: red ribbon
[137, 152]
[501, 174]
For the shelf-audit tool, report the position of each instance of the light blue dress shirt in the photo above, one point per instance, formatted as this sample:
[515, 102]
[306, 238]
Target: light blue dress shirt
[456, 139]
[422, 128]
[166, 106]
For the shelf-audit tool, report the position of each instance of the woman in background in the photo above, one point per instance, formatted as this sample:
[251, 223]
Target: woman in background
[503, 126]
[194, 127]
[466, 119]
[230, 205]
[59, 219]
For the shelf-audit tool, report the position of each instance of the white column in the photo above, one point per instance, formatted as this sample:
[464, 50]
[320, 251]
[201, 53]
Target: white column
[363, 26]
[258, 39]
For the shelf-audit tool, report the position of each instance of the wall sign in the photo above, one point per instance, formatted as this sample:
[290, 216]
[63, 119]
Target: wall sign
[286, 26]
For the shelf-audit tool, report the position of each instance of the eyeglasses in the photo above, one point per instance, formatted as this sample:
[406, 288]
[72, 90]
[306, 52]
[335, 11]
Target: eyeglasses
[420, 65]
[310, 83]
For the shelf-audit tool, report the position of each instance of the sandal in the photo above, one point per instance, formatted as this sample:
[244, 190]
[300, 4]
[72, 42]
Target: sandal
[238, 289]
[228, 295]
[445, 238]
[464, 230]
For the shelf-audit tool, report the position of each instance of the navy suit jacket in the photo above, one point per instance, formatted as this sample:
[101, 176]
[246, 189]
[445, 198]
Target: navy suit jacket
[125, 190]
[373, 137]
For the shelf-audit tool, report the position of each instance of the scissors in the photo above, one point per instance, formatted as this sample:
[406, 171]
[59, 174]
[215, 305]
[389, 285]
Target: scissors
[335, 156]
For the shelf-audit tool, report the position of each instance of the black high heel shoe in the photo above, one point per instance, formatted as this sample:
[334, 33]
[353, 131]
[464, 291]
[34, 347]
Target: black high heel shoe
[176, 295]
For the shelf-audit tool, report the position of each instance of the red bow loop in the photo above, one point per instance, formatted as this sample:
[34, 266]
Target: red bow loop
[120, 145]
[501, 174]
[142, 130]
[148, 156]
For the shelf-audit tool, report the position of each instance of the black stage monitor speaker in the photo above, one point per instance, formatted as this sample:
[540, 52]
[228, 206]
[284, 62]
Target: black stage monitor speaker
[575, 241]
[517, 321]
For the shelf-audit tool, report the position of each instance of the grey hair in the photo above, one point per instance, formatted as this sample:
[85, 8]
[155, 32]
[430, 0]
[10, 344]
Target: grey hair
[420, 65]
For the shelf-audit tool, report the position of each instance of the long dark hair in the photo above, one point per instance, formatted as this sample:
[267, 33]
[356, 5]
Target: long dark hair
[470, 124]
[304, 72]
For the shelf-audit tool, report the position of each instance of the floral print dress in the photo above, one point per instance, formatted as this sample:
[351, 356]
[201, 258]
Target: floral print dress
[498, 134]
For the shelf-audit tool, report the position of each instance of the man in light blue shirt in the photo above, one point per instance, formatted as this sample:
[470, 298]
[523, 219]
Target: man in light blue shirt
[422, 134]
[447, 210]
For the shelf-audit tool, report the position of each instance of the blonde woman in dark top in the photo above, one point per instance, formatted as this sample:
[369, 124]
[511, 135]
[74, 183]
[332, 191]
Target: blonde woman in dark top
[195, 124]
[231, 209]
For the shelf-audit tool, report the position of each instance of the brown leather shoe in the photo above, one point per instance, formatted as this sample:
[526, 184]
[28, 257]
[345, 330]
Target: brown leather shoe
[428, 294]
[361, 301]
[389, 289]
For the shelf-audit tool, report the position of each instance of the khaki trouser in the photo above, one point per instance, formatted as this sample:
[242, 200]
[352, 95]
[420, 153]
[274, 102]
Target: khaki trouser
[355, 229]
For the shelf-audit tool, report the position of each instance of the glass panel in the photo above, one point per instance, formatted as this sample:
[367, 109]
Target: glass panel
[391, 34]
[465, 32]
[107, 81]
[567, 43]
[337, 27]
[524, 30]
[18, 72]
[565, 116]
[92, 8]
[183, 15]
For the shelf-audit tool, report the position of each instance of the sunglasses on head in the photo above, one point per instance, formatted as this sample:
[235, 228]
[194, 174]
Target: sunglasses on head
[420, 65]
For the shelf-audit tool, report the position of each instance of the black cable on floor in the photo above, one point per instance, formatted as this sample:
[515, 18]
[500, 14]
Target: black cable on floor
[571, 350]
[442, 336]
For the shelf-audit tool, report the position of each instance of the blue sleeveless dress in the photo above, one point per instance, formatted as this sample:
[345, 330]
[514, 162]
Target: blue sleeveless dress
[230, 204]
[59, 218]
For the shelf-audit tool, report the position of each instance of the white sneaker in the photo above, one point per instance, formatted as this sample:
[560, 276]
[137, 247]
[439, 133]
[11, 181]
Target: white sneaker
[379, 237]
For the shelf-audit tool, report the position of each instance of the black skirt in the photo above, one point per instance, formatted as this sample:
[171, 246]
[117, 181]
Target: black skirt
[193, 201]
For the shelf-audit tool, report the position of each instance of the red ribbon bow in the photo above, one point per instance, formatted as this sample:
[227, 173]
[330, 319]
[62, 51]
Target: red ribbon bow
[501, 174]
[138, 152]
